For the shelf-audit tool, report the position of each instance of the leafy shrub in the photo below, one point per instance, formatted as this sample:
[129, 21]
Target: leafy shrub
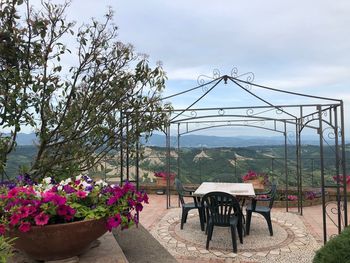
[5, 249]
[335, 250]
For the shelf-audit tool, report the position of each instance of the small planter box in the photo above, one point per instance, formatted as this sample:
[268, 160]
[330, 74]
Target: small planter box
[257, 184]
[162, 182]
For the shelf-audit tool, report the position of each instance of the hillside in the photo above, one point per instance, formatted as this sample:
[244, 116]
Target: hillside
[209, 164]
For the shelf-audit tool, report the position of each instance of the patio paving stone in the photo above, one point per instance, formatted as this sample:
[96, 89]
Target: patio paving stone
[288, 224]
[262, 254]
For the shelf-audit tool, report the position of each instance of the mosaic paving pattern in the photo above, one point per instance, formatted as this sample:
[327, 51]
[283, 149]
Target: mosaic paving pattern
[290, 240]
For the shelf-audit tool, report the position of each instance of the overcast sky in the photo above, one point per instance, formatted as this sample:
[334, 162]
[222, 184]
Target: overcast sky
[301, 46]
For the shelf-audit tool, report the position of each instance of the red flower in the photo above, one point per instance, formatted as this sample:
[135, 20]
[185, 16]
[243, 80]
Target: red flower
[24, 227]
[41, 219]
[249, 176]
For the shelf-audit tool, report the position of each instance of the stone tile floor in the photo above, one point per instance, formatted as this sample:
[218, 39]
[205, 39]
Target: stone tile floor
[296, 237]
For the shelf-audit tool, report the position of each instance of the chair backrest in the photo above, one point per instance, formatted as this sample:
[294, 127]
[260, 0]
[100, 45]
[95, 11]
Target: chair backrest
[221, 207]
[272, 194]
[180, 190]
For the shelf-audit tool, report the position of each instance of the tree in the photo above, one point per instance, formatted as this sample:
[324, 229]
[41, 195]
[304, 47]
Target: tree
[78, 113]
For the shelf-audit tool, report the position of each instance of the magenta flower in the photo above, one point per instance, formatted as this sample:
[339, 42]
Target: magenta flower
[41, 219]
[31, 210]
[112, 200]
[70, 213]
[24, 227]
[250, 175]
[132, 202]
[62, 210]
[24, 211]
[81, 194]
[2, 229]
[68, 189]
[26, 206]
[128, 187]
[15, 219]
[113, 222]
[13, 192]
[139, 207]
[292, 198]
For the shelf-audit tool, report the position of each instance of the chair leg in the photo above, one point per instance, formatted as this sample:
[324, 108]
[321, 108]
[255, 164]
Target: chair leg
[269, 223]
[249, 218]
[210, 232]
[240, 231]
[233, 235]
[186, 214]
[207, 219]
[183, 217]
[201, 217]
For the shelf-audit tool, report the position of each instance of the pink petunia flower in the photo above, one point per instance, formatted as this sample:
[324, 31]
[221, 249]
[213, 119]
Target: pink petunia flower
[59, 200]
[81, 194]
[14, 219]
[31, 209]
[41, 219]
[62, 210]
[70, 213]
[13, 192]
[24, 211]
[24, 227]
[112, 200]
[113, 222]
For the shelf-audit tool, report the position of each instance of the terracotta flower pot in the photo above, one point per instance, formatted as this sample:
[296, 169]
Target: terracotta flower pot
[54, 242]
[257, 184]
[163, 181]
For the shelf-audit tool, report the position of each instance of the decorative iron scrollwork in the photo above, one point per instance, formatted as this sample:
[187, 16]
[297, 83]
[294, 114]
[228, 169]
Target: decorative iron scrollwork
[248, 77]
[202, 79]
[279, 110]
[330, 134]
[250, 112]
[332, 212]
[193, 114]
[221, 112]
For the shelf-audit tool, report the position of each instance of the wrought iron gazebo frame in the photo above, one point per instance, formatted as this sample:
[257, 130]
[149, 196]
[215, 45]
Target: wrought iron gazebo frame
[326, 114]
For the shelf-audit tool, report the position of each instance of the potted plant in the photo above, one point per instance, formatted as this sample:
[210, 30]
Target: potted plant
[341, 178]
[162, 178]
[52, 220]
[258, 180]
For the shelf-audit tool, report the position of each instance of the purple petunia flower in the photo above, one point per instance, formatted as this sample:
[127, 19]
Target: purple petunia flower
[68, 189]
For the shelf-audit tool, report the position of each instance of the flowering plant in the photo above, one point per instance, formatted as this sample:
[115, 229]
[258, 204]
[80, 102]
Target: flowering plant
[165, 175]
[28, 204]
[251, 175]
[292, 198]
[341, 178]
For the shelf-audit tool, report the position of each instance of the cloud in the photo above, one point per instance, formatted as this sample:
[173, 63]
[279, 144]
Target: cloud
[298, 46]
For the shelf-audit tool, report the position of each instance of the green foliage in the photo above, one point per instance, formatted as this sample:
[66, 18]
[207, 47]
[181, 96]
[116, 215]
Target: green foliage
[5, 249]
[335, 250]
[77, 112]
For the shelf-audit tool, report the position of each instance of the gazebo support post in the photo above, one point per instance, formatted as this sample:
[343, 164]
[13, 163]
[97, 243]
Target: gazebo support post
[285, 162]
[320, 132]
[342, 132]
